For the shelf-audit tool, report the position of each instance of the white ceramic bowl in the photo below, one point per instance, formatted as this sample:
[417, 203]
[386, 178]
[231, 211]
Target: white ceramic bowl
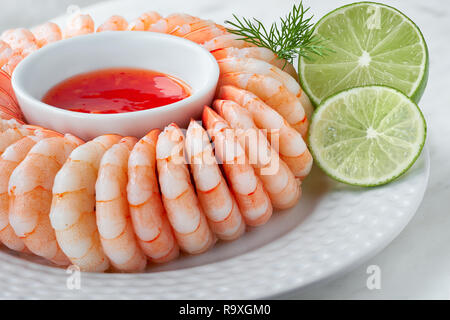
[146, 50]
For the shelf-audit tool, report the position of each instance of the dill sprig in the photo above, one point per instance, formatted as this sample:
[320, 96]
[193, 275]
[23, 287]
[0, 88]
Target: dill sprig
[291, 37]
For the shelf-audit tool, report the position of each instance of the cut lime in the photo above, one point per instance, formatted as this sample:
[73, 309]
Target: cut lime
[367, 136]
[372, 44]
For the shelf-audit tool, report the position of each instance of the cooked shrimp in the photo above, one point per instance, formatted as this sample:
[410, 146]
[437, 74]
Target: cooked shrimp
[79, 24]
[10, 136]
[148, 215]
[13, 62]
[260, 53]
[215, 198]
[30, 194]
[114, 23]
[278, 180]
[9, 160]
[168, 24]
[199, 31]
[179, 198]
[286, 140]
[255, 66]
[113, 215]
[47, 33]
[8, 124]
[73, 207]
[274, 94]
[20, 40]
[5, 84]
[226, 41]
[5, 53]
[9, 104]
[206, 34]
[144, 22]
[184, 29]
[252, 199]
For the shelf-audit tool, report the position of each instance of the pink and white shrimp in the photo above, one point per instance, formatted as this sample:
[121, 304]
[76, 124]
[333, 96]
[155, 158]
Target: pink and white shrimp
[5, 53]
[12, 135]
[114, 23]
[278, 180]
[256, 66]
[9, 160]
[47, 33]
[252, 199]
[260, 53]
[199, 31]
[73, 207]
[217, 201]
[113, 215]
[285, 139]
[148, 215]
[144, 22]
[273, 93]
[30, 194]
[226, 41]
[78, 24]
[20, 40]
[183, 209]
[169, 23]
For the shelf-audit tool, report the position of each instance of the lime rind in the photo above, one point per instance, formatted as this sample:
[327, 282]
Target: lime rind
[347, 56]
[361, 148]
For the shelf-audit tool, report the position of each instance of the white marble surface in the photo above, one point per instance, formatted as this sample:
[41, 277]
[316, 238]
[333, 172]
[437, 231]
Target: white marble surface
[417, 264]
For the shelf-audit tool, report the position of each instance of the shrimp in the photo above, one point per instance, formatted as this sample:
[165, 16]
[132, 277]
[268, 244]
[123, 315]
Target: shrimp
[255, 66]
[47, 33]
[215, 198]
[113, 216]
[144, 22]
[199, 31]
[20, 40]
[30, 196]
[278, 180]
[114, 23]
[9, 160]
[226, 41]
[5, 53]
[148, 215]
[73, 206]
[8, 124]
[184, 29]
[252, 199]
[9, 104]
[13, 62]
[183, 209]
[260, 53]
[79, 24]
[5, 84]
[286, 140]
[168, 24]
[274, 94]
[206, 34]
[13, 135]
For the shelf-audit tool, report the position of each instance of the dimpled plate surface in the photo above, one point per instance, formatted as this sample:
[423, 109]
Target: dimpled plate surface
[332, 230]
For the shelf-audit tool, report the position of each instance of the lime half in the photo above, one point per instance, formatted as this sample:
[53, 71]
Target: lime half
[367, 136]
[373, 44]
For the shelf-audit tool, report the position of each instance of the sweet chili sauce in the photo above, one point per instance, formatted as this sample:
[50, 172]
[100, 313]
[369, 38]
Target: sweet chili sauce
[116, 91]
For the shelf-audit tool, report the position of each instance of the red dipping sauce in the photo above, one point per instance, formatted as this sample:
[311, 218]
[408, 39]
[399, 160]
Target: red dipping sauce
[116, 91]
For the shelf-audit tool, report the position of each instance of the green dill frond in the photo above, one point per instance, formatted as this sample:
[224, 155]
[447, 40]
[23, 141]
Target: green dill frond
[292, 36]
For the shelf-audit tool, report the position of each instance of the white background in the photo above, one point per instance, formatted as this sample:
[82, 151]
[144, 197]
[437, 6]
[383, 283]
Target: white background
[417, 264]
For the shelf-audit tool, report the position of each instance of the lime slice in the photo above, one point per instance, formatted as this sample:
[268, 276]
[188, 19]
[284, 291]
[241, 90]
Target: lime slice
[367, 136]
[372, 44]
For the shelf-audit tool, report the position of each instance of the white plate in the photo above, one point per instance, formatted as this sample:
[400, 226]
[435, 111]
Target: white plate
[333, 229]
